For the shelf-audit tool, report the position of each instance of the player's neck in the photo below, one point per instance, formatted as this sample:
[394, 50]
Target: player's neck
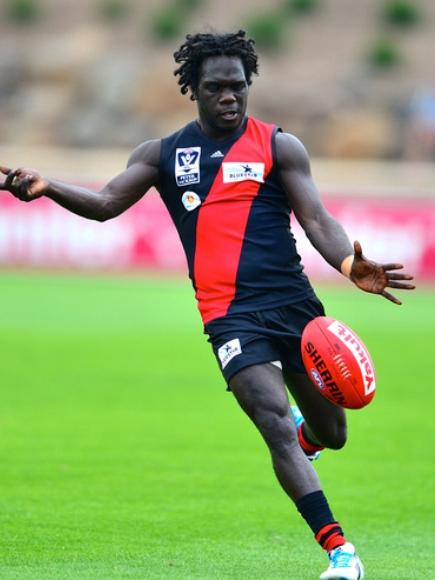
[221, 134]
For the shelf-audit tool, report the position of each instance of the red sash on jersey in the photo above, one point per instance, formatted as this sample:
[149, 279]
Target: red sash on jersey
[222, 220]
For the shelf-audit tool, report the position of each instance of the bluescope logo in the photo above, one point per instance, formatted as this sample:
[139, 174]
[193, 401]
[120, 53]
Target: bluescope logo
[242, 171]
[187, 165]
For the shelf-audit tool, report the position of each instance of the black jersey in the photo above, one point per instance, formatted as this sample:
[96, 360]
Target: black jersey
[233, 218]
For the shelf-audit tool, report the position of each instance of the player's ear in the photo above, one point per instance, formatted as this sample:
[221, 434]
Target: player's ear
[194, 90]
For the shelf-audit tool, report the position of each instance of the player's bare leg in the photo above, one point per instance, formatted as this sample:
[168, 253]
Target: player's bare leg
[325, 423]
[261, 392]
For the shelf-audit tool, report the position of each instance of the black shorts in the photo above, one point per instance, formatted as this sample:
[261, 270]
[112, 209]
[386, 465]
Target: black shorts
[243, 340]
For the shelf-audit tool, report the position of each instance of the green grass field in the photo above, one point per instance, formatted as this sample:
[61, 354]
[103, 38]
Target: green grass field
[122, 456]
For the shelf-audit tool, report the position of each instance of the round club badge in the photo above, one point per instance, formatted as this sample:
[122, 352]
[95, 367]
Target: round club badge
[190, 200]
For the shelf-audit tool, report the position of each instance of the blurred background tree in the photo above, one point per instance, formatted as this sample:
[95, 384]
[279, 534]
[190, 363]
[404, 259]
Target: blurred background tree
[401, 13]
[112, 10]
[23, 11]
[268, 29]
[100, 72]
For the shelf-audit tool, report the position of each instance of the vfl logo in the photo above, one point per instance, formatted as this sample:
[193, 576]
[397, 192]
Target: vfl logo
[242, 171]
[228, 351]
[190, 200]
[317, 378]
[187, 165]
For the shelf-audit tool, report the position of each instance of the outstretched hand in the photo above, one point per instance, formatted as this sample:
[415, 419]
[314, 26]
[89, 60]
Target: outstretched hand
[375, 278]
[25, 184]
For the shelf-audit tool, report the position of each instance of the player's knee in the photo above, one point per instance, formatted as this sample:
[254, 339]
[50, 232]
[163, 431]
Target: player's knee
[336, 437]
[276, 429]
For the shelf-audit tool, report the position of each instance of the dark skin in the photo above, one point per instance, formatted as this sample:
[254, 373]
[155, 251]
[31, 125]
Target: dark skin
[221, 98]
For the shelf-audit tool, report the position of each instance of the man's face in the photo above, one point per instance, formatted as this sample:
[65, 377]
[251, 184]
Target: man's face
[222, 95]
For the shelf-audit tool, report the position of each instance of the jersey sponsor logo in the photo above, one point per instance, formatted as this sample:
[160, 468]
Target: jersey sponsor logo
[242, 171]
[190, 200]
[362, 356]
[228, 351]
[187, 165]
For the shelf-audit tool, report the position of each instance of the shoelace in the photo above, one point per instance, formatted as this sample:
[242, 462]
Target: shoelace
[341, 559]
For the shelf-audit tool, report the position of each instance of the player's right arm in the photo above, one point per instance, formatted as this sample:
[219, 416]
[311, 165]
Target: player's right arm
[119, 194]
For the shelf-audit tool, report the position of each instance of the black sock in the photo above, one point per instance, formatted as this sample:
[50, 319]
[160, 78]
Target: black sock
[314, 508]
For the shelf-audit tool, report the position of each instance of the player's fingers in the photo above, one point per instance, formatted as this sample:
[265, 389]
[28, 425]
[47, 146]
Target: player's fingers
[357, 249]
[10, 178]
[5, 170]
[386, 267]
[24, 187]
[401, 285]
[391, 298]
[399, 277]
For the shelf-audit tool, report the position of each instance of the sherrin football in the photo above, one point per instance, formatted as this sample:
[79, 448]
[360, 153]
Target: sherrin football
[338, 363]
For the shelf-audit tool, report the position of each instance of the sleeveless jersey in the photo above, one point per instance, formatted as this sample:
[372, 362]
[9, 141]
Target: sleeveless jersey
[233, 218]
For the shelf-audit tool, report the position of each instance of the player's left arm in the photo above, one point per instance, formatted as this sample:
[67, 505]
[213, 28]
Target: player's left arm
[324, 232]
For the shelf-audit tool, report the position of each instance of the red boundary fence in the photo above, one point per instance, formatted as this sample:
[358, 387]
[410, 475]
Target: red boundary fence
[42, 234]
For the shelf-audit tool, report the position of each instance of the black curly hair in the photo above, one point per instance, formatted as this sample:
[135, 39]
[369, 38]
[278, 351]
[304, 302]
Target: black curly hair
[198, 47]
